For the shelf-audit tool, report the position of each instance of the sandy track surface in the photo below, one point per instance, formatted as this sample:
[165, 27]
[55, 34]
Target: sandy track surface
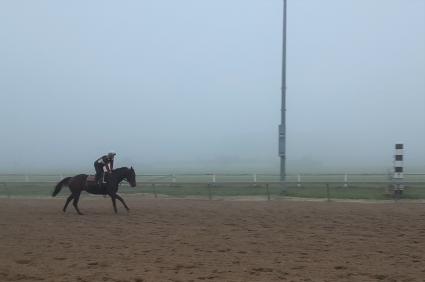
[198, 240]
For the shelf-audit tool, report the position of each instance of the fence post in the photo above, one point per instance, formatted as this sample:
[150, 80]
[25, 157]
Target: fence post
[255, 177]
[7, 190]
[213, 178]
[328, 194]
[268, 192]
[283, 188]
[299, 181]
[209, 192]
[154, 190]
[346, 180]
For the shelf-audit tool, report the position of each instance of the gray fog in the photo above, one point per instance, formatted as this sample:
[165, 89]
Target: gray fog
[195, 85]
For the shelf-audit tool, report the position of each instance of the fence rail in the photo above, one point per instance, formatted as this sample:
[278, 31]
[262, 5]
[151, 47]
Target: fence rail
[347, 178]
[215, 188]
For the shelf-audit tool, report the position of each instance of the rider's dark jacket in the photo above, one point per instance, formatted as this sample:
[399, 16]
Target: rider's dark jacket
[100, 163]
[104, 161]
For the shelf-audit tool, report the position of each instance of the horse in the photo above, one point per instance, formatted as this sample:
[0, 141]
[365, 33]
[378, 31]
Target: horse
[79, 183]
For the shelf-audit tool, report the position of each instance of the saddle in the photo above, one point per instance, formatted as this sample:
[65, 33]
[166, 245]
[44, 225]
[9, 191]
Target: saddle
[93, 187]
[91, 180]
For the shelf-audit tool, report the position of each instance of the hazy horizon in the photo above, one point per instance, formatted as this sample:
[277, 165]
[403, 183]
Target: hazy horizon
[190, 85]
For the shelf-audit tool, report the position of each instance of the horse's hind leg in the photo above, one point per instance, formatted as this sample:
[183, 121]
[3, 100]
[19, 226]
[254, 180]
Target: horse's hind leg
[67, 202]
[113, 197]
[75, 202]
[122, 201]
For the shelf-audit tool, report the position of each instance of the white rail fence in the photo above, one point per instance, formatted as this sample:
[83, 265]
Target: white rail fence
[219, 185]
[299, 179]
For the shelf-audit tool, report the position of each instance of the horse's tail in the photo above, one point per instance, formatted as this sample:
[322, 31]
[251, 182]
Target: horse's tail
[63, 182]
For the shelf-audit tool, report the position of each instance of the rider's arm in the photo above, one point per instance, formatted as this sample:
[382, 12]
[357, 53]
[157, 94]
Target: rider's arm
[108, 164]
[105, 162]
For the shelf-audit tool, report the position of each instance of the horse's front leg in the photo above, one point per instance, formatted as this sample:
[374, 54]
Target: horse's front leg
[122, 201]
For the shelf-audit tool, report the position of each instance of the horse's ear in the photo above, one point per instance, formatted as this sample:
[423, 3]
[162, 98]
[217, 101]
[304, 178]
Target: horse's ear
[131, 168]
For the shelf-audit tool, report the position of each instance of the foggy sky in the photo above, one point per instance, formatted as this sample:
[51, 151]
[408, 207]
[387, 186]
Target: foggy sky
[188, 84]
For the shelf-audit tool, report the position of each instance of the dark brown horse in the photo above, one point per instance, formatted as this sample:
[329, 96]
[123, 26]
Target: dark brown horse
[79, 183]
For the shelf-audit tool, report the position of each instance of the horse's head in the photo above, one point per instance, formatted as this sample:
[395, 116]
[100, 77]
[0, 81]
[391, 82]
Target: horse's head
[131, 177]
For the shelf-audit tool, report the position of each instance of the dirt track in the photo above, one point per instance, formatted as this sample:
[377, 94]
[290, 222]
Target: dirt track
[197, 240]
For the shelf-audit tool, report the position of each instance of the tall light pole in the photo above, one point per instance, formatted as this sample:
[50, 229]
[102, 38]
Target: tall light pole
[282, 126]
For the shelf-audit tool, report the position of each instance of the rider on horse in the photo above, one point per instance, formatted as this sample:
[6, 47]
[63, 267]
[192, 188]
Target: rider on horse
[106, 161]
